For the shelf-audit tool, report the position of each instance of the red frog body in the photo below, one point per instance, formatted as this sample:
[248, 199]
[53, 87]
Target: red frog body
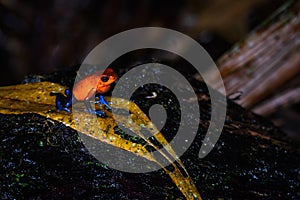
[97, 84]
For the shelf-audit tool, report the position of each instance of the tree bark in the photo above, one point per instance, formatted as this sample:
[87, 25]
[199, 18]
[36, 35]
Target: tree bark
[264, 64]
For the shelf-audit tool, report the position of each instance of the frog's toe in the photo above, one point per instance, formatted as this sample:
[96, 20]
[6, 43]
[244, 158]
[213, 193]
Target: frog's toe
[108, 106]
[64, 109]
[100, 113]
[67, 110]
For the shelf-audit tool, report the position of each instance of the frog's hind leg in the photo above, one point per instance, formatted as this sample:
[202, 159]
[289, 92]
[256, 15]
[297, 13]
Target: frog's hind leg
[63, 102]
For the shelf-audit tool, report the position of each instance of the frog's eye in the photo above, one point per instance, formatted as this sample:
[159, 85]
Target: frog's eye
[104, 78]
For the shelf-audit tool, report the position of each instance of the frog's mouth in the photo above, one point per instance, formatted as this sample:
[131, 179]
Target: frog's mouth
[103, 88]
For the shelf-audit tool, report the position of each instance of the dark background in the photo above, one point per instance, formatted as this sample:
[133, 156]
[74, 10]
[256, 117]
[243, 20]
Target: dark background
[46, 36]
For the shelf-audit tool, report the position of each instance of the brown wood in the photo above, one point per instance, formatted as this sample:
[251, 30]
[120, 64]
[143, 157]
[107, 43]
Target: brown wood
[264, 63]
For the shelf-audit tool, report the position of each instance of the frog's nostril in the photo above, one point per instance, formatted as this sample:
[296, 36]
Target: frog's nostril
[104, 78]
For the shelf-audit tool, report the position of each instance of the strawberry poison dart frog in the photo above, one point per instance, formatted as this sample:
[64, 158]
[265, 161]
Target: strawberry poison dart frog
[93, 85]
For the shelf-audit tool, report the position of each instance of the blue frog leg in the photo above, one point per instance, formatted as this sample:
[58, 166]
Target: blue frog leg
[102, 101]
[63, 102]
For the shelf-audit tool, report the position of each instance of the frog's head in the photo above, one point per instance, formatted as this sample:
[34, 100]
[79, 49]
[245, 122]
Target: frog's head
[108, 77]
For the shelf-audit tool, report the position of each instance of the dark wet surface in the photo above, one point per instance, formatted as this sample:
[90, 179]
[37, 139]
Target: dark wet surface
[43, 159]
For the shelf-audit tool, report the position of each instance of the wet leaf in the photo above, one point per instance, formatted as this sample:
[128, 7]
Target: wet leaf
[35, 98]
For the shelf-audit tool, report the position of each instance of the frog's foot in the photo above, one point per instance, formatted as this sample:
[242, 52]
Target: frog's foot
[99, 113]
[90, 110]
[102, 101]
[63, 108]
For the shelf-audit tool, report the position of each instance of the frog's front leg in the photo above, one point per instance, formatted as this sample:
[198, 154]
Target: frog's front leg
[88, 104]
[99, 113]
[102, 101]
